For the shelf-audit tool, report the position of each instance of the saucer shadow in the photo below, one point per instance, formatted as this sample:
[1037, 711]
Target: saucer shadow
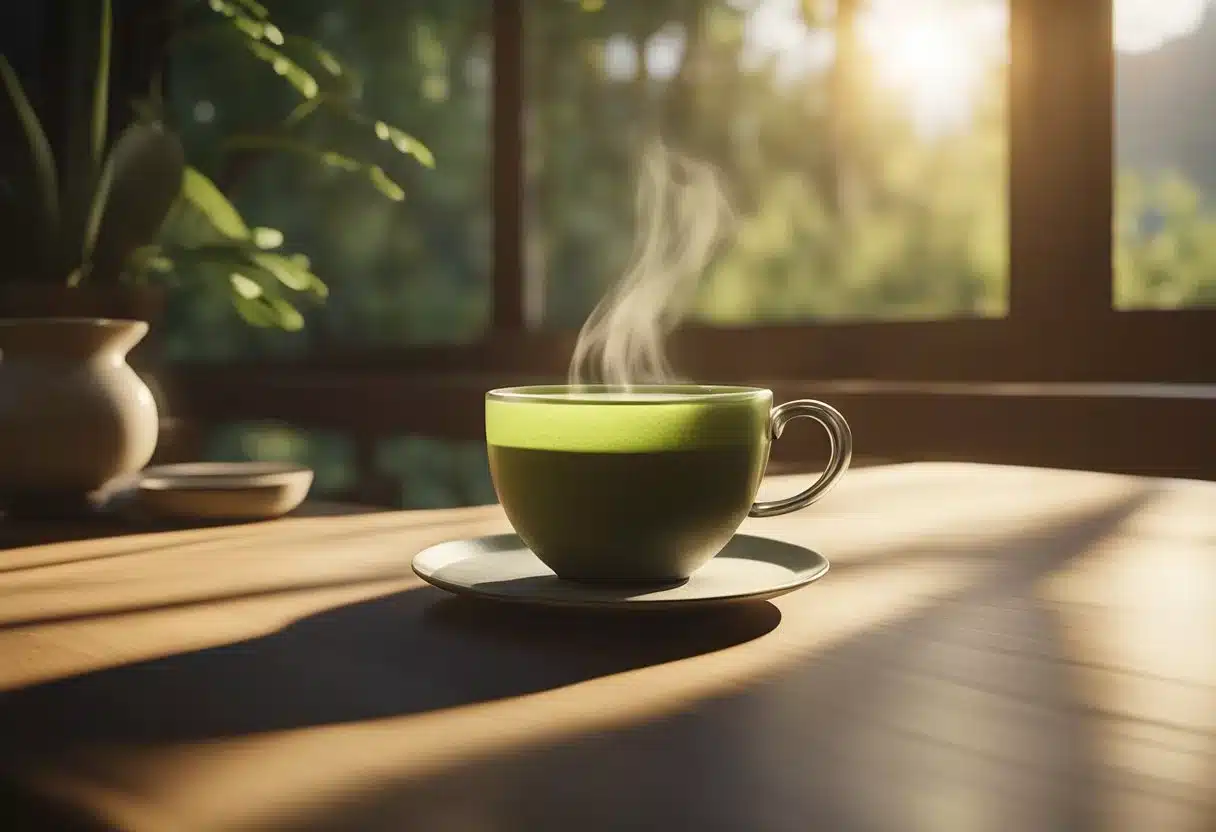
[561, 593]
[406, 653]
[638, 638]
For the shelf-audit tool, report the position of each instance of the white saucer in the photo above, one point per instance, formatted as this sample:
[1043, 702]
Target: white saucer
[501, 568]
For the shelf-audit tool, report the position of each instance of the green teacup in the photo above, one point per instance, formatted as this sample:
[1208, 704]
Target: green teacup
[644, 483]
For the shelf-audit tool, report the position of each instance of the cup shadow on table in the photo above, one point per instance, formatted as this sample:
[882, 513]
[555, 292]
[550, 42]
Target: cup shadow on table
[408, 652]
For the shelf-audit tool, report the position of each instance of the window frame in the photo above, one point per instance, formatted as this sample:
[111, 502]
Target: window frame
[1061, 325]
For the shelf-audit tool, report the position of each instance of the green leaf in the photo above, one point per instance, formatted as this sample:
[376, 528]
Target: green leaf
[334, 159]
[294, 74]
[305, 49]
[254, 8]
[257, 27]
[405, 143]
[269, 271]
[330, 158]
[141, 181]
[289, 318]
[318, 287]
[239, 8]
[267, 238]
[253, 28]
[268, 310]
[285, 271]
[334, 77]
[327, 60]
[293, 57]
[101, 87]
[244, 286]
[187, 226]
[93, 223]
[40, 185]
[302, 111]
[255, 311]
[385, 185]
[199, 192]
[87, 60]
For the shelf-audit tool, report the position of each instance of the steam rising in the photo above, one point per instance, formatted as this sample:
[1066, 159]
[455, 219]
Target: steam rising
[681, 212]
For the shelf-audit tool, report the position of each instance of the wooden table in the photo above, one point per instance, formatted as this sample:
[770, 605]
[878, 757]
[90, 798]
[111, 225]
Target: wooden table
[994, 649]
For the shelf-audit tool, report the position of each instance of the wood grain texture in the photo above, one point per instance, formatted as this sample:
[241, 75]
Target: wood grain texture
[995, 648]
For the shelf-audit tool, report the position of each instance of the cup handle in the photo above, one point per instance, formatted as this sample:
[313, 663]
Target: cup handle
[842, 452]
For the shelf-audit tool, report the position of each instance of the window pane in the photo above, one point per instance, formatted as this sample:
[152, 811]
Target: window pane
[1165, 227]
[861, 145]
[402, 267]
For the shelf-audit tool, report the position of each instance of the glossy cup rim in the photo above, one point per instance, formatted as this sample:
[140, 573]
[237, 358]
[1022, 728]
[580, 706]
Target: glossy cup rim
[600, 393]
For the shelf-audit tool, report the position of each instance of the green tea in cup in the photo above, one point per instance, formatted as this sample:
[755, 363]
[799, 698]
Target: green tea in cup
[642, 483]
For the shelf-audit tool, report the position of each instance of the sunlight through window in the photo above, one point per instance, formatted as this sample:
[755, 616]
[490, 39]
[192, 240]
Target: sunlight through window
[937, 54]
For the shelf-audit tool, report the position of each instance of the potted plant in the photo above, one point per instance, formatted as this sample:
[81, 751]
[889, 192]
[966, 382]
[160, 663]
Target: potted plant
[73, 414]
[93, 232]
[82, 229]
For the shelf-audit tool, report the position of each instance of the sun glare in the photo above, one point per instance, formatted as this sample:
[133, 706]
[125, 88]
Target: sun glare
[934, 54]
[928, 60]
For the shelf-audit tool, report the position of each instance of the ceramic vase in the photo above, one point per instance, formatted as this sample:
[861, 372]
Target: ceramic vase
[74, 416]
